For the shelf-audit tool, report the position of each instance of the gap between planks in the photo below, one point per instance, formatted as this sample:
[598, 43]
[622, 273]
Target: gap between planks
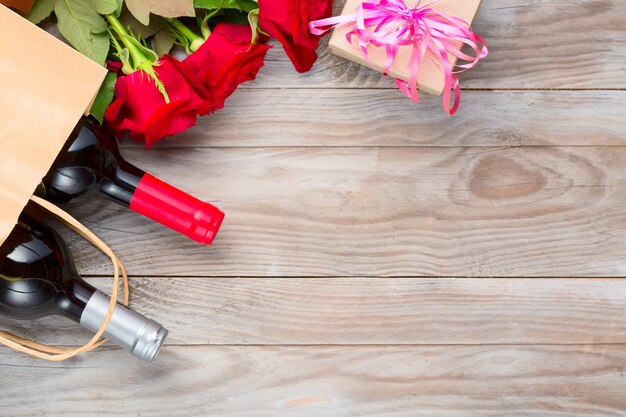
[130, 276]
[109, 347]
[376, 88]
[494, 148]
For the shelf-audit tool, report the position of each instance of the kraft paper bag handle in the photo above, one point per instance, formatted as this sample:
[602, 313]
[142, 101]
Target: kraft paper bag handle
[54, 353]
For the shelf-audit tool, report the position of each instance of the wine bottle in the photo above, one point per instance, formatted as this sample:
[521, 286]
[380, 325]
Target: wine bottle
[90, 163]
[38, 278]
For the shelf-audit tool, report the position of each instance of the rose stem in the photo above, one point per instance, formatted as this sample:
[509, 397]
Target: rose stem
[195, 40]
[136, 55]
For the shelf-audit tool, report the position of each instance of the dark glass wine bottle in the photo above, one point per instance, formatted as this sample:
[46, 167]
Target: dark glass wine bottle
[90, 163]
[38, 278]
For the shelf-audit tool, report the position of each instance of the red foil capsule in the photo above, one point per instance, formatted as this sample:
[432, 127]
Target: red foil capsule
[176, 209]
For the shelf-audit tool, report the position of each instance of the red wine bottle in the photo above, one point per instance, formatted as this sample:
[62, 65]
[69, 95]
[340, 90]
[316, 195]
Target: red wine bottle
[90, 162]
[38, 278]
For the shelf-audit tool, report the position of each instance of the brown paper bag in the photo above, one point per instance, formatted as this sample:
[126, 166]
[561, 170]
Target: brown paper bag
[45, 87]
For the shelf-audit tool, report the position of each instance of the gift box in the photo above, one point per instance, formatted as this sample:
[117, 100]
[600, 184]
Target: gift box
[431, 78]
[416, 42]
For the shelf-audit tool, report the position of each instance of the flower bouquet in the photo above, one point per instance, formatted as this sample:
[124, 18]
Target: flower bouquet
[170, 62]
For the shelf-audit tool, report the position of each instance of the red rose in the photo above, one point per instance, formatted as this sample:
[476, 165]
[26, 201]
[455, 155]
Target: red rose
[197, 86]
[288, 21]
[140, 109]
[225, 60]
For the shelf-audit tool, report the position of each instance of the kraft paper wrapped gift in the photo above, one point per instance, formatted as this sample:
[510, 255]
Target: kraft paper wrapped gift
[46, 87]
[431, 78]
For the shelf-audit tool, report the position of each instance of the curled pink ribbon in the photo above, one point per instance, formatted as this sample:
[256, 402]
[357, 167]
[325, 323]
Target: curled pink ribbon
[392, 24]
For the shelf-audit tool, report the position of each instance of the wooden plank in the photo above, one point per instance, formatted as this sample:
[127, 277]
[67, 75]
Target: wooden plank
[531, 44]
[534, 44]
[490, 381]
[549, 211]
[320, 117]
[361, 311]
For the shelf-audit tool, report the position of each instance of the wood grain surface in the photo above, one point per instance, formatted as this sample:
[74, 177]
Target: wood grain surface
[409, 381]
[366, 311]
[378, 257]
[331, 117]
[381, 211]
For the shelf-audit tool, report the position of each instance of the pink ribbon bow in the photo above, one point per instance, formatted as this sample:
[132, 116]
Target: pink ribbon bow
[391, 24]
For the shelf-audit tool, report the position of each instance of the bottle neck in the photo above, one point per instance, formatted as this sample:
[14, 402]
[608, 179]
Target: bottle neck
[128, 329]
[38, 278]
[163, 203]
[122, 184]
[91, 161]
[71, 302]
[176, 209]
[117, 178]
[158, 200]
[133, 332]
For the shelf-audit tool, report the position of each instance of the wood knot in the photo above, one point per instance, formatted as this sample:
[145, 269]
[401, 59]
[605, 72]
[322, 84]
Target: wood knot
[500, 178]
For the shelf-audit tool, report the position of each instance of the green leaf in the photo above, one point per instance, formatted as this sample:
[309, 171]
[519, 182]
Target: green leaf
[141, 9]
[204, 25]
[144, 50]
[241, 5]
[163, 42]
[139, 29]
[124, 56]
[104, 97]
[106, 6]
[80, 23]
[120, 4]
[41, 10]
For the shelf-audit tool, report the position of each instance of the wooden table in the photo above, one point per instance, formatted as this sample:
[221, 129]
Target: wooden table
[380, 258]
